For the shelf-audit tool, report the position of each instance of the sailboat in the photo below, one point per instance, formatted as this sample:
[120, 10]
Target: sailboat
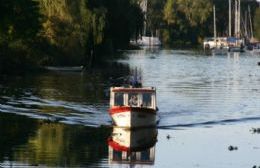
[145, 40]
[235, 43]
[253, 45]
[229, 43]
[218, 45]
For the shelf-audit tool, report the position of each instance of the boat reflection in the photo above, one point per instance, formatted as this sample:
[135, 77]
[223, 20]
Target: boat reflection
[134, 147]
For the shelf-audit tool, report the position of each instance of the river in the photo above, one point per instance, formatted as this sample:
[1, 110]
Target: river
[209, 106]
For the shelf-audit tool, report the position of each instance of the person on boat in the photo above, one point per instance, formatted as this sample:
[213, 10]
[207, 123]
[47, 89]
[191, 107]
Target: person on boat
[135, 81]
[133, 101]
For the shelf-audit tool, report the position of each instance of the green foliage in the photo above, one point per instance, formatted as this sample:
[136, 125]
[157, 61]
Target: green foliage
[170, 12]
[19, 19]
[257, 24]
[154, 15]
[82, 32]
[196, 12]
[65, 30]
[19, 26]
[98, 24]
[124, 20]
[185, 20]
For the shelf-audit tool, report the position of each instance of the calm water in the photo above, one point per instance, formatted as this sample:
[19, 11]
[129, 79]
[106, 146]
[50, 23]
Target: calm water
[206, 103]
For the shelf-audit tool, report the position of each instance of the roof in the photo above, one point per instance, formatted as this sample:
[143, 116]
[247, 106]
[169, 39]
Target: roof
[133, 90]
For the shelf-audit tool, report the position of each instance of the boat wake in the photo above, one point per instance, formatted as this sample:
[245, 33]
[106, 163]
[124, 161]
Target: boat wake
[56, 110]
[208, 123]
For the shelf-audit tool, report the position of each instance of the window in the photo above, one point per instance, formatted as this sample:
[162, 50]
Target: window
[133, 99]
[147, 100]
[119, 99]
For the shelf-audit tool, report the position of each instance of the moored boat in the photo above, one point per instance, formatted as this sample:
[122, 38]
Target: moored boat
[254, 48]
[133, 107]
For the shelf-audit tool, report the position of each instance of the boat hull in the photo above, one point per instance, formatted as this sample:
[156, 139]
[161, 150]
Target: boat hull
[124, 139]
[133, 117]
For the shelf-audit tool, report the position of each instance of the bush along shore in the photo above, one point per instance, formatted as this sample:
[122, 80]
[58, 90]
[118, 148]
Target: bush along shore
[34, 34]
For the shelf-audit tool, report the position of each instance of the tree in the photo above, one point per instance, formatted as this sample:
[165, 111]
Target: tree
[19, 27]
[257, 23]
[19, 19]
[196, 12]
[185, 19]
[170, 12]
[154, 15]
[66, 28]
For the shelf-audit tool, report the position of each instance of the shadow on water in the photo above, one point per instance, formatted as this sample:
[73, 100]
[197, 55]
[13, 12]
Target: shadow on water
[28, 142]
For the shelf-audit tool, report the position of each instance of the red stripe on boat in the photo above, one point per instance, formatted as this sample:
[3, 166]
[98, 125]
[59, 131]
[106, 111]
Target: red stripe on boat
[119, 109]
[116, 146]
[122, 109]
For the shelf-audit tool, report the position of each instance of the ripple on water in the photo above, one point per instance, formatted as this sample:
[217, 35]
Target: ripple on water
[59, 111]
[194, 88]
[191, 88]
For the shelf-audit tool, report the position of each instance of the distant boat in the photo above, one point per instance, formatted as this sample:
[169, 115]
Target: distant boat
[211, 43]
[65, 68]
[133, 107]
[235, 44]
[220, 45]
[255, 48]
[149, 41]
[146, 40]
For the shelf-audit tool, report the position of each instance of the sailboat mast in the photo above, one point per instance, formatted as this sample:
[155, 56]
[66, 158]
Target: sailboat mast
[238, 19]
[215, 29]
[250, 22]
[235, 18]
[245, 25]
[229, 22]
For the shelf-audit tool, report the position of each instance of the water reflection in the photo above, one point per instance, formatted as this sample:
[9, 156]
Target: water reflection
[67, 97]
[27, 142]
[132, 147]
[14, 131]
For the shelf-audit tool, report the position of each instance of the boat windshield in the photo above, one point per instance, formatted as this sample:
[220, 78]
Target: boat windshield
[147, 100]
[134, 99]
[119, 99]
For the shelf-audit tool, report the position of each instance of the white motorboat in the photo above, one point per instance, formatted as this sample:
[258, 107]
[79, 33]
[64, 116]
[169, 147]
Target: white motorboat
[133, 107]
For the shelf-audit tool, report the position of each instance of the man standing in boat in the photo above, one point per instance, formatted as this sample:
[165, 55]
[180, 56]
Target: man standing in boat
[136, 80]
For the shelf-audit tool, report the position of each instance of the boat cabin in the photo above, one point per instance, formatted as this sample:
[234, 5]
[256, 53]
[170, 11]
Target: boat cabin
[133, 97]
